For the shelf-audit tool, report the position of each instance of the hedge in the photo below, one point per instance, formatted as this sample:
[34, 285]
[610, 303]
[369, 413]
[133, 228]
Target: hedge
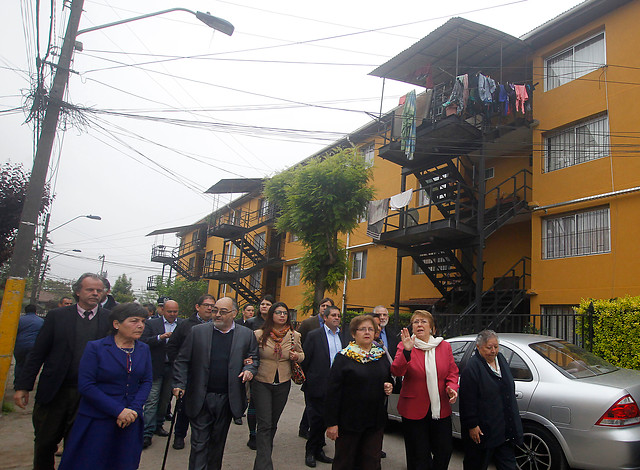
[616, 329]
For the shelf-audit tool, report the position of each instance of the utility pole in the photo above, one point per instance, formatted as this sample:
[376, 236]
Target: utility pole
[35, 288]
[102, 257]
[14, 290]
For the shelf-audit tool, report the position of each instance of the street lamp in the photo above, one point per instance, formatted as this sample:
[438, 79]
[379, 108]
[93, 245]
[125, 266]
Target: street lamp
[213, 22]
[92, 217]
[35, 288]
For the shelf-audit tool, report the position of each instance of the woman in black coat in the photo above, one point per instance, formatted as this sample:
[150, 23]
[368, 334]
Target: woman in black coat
[489, 416]
[355, 407]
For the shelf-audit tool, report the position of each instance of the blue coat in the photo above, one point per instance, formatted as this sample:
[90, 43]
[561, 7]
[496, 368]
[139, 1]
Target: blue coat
[106, 388]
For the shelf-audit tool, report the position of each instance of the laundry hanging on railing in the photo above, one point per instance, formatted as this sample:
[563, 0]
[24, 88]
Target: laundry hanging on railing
[378, 211]
[408, 133]
[401, 200]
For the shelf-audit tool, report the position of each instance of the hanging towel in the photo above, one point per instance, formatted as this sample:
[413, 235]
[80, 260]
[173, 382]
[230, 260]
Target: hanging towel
[378, 211]
[401, 200]
[408, 141]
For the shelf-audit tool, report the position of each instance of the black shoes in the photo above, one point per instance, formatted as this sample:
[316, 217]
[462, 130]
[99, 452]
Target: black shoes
[237, 421]
[310, 461]
[322, 457]
[178, 443]
[251, 443]
[160, 431]
[383, 454]
[146, 442]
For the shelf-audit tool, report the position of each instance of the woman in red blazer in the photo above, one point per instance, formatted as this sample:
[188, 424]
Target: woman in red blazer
[429, 388]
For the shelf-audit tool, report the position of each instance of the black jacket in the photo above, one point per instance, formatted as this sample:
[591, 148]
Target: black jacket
[53, 351]
[179, 335]
[152, 328]
[355, 400]
[317, 364]
[489, 401]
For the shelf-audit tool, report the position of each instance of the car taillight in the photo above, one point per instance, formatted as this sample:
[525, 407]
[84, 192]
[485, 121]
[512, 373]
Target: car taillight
[624, 412]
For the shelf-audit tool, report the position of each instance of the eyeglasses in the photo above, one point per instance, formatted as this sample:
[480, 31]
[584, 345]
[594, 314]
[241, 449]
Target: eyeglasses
[222, 311]
[207, 305]
[366, 330]
[281, 312]
[420, 322]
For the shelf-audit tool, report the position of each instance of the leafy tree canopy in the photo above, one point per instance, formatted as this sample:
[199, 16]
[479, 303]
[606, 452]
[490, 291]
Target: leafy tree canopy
[13, 189]
[186, 293]
[122, 290]
[319, 200]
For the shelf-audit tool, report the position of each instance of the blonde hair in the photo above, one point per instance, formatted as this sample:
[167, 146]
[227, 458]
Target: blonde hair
[428, 316]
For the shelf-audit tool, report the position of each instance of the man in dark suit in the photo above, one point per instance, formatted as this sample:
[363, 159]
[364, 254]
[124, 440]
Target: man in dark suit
[308, 325]
[321, 346]
[157, 332]
[58, 349]
[107, 301]
[204, 309]
[389, 335]
[216, 361]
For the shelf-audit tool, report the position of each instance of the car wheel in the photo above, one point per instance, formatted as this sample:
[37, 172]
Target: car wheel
[539, 450]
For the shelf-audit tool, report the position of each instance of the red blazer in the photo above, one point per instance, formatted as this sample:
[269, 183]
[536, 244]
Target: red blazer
[414, 400]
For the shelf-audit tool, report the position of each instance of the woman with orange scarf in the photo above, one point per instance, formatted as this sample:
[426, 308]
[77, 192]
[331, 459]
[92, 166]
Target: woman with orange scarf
[279, 345]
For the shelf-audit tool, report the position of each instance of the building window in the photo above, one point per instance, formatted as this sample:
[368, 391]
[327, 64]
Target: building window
[192, 264]
[489, 173]
[364, 216]
[293, 275]
[264, 207]
[255, 280]
[559, 321]
[574, 62]
[416, 269]
[578, 234]
[293, 237]
[369, 152]
[359, 270]
[584, 142]
[208, 258]
[260, 241]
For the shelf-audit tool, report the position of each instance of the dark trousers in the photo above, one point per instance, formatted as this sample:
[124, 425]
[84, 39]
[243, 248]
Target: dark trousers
[315, 413]
[251, 416]
[209, 433]
[479, 458]
[155, 408]
[182, 422]
[270, 401]
[52, 422]
[304, 425]
[427, 442]
[363, 448]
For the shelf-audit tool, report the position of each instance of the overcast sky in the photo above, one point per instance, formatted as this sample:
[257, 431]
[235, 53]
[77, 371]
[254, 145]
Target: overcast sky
[177, 107]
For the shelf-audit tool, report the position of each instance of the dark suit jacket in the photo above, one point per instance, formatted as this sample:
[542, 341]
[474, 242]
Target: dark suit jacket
[393, 338]
[104, 383]
[179, 335]
[307, 326]
[152, 329]
[53, 351]
[316, 364]
[194, 361]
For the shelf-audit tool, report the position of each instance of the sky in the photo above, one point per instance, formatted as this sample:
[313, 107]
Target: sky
[170, 107]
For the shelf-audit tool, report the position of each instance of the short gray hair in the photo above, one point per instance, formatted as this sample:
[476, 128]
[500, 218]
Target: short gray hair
[78, 284]
[484, 336]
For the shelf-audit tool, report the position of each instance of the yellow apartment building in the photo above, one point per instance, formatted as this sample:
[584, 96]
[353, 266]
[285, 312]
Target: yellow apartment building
[508, 187]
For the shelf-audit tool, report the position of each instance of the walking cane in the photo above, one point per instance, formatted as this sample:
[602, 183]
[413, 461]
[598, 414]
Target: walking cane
[176, 410]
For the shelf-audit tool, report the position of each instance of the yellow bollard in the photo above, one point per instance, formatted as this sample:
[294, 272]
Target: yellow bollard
[9, 318]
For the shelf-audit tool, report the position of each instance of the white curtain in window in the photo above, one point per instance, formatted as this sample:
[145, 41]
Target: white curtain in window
[589, 56]
[559, 70]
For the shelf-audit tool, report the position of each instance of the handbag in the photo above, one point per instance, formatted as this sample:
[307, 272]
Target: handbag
[297, 374]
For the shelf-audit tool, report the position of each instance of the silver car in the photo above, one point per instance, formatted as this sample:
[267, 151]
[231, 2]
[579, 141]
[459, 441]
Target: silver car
[577, 410]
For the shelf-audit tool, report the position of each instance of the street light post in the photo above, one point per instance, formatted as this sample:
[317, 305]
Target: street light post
[35, 288]
[14, 287]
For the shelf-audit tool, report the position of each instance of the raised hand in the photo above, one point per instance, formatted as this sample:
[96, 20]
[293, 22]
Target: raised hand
[407, 341]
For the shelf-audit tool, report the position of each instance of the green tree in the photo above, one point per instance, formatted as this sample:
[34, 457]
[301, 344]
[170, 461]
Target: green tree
[186, 293]
[319, 200]
[13, 188]
[122, 290]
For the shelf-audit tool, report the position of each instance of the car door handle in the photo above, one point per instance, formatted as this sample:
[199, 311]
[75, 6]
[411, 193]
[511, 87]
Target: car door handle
[518, 395]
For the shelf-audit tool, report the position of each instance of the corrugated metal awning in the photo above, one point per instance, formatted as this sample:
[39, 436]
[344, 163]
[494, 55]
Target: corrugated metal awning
[236, 185]
[182, 228]
[475, 47]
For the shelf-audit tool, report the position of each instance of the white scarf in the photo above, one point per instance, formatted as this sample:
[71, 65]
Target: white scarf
[431, 371]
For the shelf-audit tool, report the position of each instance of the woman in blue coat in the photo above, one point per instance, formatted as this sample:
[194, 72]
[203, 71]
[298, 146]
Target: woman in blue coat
[113, 381]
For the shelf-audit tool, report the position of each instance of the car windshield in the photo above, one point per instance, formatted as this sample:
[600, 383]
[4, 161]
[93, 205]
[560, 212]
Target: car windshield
[572, 360]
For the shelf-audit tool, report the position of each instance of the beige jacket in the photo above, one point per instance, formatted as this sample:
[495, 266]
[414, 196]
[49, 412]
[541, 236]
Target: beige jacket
[269, 362]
